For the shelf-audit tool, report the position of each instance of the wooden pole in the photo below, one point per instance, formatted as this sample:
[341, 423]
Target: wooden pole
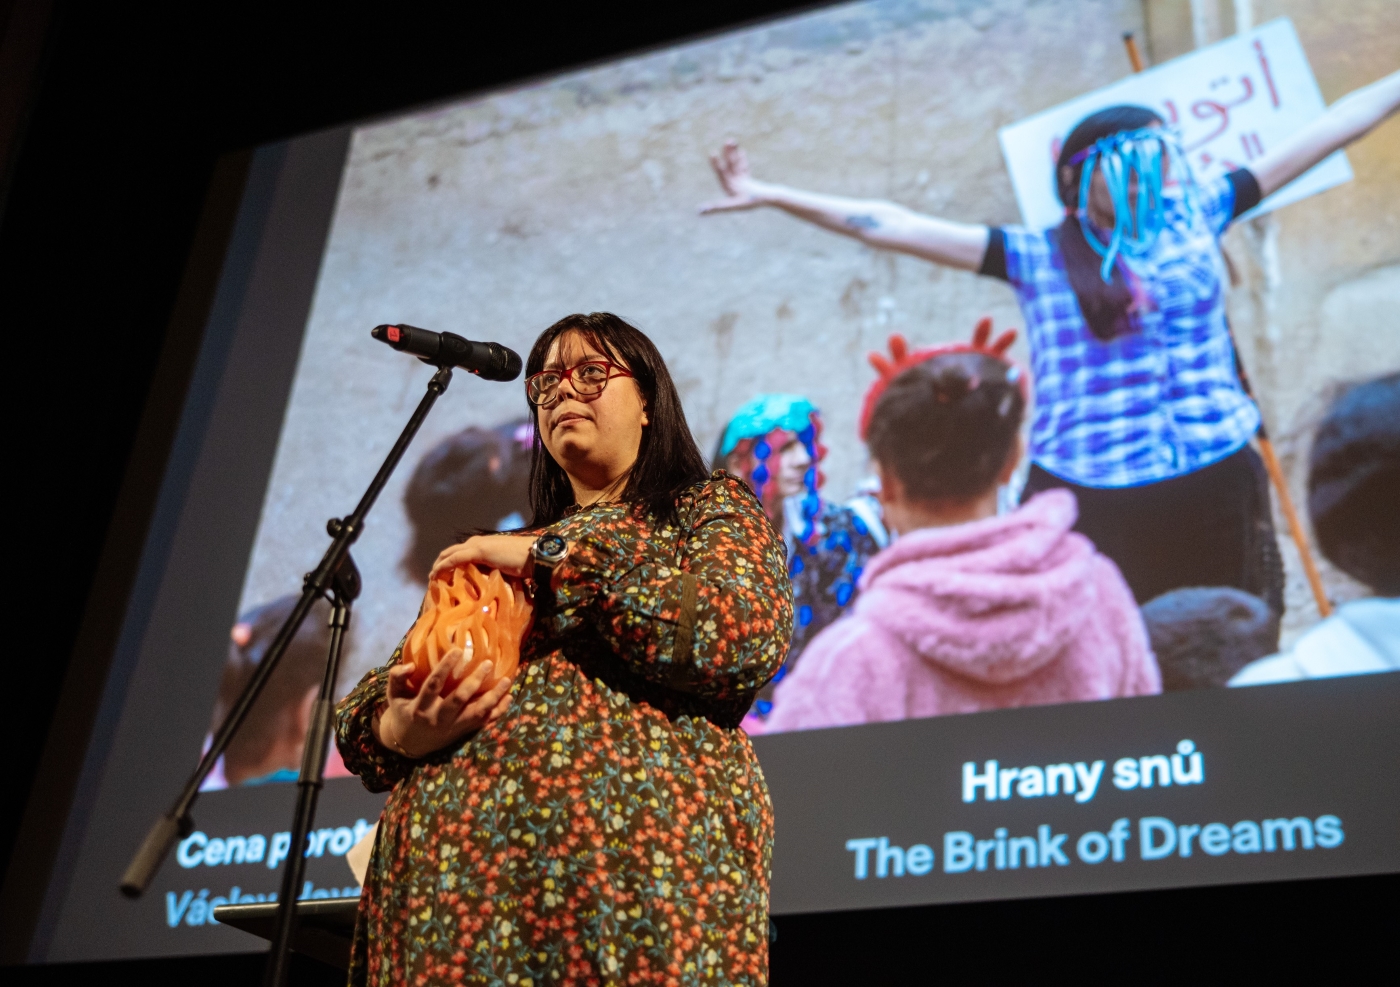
[1266, 447]
[1134, 55]
[1295, 524]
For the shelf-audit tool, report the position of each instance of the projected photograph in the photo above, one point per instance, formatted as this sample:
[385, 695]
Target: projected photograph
[1052, 397]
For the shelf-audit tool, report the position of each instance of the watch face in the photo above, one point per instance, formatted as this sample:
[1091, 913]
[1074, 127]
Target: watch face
[550, 547]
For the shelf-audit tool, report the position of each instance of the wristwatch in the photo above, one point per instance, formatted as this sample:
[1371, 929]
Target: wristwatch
[547, 552]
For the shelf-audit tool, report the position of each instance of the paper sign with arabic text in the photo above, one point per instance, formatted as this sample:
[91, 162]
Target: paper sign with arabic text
[1231, 103]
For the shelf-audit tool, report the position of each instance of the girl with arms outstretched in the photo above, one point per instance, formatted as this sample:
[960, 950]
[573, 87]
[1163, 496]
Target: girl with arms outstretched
[1138, 408]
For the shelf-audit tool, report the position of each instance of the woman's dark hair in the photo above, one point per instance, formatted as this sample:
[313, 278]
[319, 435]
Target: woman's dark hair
[466, 484]
[1354, 483]
[668, 460]
[1105, 305]
[946, 426]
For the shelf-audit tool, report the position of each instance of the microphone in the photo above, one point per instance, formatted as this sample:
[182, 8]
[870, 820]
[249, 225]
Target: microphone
[489, 361]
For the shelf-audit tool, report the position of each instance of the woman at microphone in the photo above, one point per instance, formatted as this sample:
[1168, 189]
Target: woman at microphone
[602, 818]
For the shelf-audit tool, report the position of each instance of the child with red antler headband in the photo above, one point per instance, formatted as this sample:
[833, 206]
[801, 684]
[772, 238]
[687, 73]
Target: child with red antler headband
[967, 610]
[901, 359]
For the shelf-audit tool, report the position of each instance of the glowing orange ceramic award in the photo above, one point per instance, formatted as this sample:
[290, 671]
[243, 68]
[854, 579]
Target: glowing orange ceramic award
[480, 611]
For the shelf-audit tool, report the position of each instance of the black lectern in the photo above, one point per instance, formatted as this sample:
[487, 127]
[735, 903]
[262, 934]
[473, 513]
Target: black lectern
[323, 931]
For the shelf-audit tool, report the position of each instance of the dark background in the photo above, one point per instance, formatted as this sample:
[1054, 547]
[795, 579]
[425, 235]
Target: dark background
[112, 121]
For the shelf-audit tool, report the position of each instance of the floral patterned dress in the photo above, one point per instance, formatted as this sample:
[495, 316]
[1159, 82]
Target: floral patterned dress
[613, 827]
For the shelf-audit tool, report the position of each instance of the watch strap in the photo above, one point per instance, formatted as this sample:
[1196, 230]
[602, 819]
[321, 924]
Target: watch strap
[542, 571]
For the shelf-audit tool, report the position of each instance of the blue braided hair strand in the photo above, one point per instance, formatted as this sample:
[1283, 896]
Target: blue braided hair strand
[1136, 224]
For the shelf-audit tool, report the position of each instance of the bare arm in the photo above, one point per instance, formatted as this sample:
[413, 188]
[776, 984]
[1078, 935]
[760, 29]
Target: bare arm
[1349, 118]
[871, 221]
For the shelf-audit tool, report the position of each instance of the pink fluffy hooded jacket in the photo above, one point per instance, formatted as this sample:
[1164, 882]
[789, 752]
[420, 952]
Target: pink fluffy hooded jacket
[1017, 610]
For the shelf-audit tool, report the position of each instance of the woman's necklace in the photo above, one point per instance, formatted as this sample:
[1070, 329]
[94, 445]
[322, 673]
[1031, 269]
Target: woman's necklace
[605, 496]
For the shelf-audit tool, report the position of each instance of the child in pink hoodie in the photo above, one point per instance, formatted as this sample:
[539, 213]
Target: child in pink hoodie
[967, 610]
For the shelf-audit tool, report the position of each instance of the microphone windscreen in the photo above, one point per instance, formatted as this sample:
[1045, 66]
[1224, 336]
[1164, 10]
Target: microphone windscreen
[511, 370]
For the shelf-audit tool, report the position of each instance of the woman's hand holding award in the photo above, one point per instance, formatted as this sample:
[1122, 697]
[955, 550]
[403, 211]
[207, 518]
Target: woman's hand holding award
[479, 612]
[458, 660]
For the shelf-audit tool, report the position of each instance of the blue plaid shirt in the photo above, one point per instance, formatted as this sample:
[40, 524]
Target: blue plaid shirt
[1152, 404]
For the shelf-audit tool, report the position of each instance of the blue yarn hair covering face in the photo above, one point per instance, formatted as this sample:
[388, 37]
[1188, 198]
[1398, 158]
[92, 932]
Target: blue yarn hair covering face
[1136, 224]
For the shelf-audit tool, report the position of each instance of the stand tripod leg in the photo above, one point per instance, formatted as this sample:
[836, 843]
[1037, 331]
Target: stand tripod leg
[345, 587]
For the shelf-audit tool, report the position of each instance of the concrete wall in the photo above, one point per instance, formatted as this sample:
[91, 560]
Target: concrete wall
[495, 216]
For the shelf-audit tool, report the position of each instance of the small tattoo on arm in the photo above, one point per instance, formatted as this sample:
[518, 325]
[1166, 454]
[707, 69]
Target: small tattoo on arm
[866, 222]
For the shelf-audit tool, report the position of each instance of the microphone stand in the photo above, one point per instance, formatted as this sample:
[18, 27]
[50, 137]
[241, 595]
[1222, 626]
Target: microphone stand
[335, 578]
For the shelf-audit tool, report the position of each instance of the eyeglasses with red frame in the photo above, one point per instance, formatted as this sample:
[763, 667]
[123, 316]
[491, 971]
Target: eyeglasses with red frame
[587, 378]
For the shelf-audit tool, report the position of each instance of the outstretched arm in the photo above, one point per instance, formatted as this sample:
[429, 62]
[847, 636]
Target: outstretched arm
[1349, 118]
[872, 221]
